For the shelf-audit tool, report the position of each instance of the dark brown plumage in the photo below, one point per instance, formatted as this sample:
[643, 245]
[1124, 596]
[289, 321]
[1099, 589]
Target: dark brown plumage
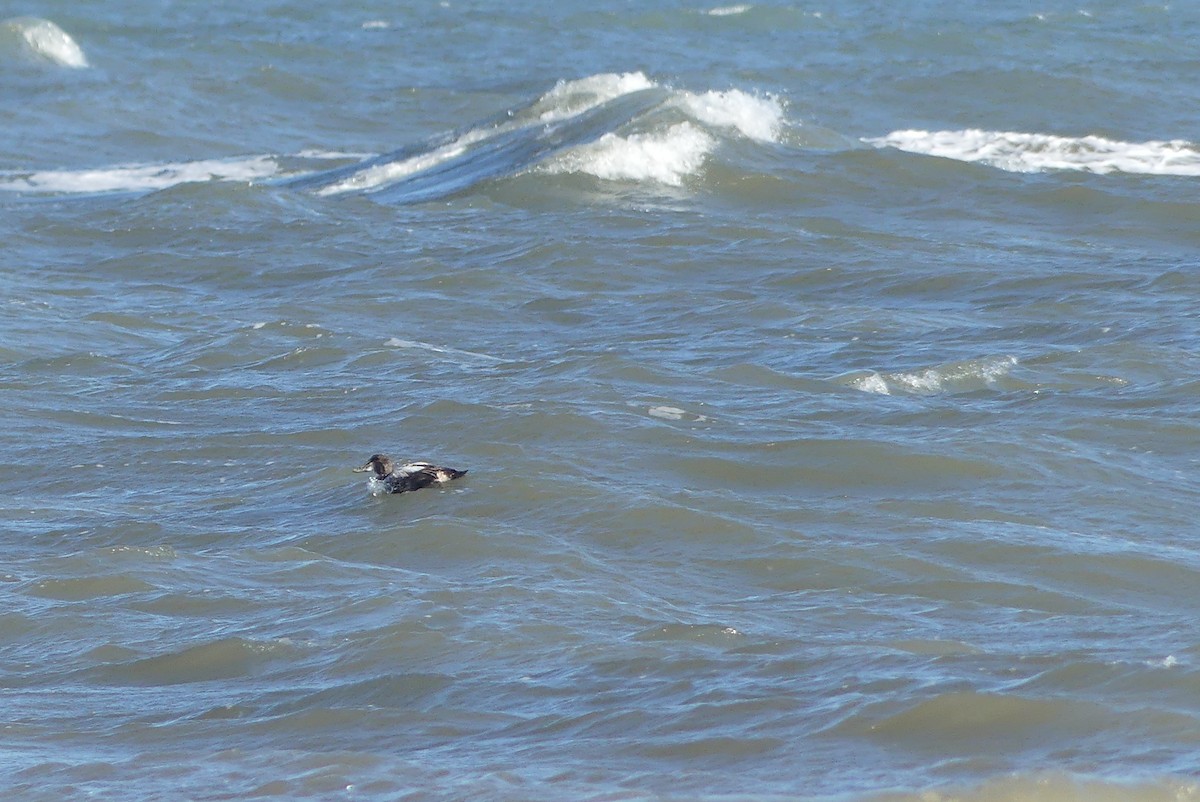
[392, 478]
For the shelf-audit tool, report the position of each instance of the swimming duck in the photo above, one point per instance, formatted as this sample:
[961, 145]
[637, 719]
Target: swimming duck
[391, 478]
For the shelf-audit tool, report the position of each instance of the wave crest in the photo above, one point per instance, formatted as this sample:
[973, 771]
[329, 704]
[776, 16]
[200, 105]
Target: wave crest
[42, 40]
[956, 377]
[1033, 153]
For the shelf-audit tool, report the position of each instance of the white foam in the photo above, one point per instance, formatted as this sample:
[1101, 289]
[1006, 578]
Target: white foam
[46, 40]
[315, 153]
[569, 98]
[673, 413]
[668, 156]
[972, 374]
[1027, 153]
[871, 383]
[139, 177]
[665, 157]
[759, 118]
[728, 11]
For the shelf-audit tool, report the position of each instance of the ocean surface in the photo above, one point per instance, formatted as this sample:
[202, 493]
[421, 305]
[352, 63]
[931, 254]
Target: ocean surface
[828, 375]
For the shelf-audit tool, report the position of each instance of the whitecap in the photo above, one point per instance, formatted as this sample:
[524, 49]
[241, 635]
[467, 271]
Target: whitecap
[1032, 152]
[870, 383]
[139, 177]
[675, 413]
[44, 40]
[571, 97]
[666, 157]
[728, 11]
[759, 118]
[954, 377]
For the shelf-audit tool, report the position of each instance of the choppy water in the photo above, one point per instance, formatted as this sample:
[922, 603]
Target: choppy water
[826, 374]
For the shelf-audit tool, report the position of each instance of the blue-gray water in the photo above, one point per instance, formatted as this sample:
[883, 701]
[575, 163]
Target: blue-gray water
[826, 374]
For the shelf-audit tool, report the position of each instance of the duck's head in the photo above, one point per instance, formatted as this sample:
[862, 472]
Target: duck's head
[381, 465]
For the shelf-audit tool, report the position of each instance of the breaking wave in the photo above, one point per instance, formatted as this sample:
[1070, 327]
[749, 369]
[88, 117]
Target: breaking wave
[956, 377]
[36, 39]
[614, 127]
[618, 127]
[1030, 153]
[140, 177]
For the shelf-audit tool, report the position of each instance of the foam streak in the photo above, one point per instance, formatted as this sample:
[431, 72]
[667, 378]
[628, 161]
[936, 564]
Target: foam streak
[1029, 153]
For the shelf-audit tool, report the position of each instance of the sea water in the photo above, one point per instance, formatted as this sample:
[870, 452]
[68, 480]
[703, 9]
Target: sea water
[826, 375]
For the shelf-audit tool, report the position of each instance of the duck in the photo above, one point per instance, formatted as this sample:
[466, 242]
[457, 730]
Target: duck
[388, 477]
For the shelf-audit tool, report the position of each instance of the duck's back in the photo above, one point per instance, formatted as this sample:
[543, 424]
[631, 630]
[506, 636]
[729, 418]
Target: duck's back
[416, 475]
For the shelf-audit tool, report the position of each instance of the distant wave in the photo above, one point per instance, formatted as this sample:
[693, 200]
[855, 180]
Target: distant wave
[1029, 153]
[728, 11]
[36, 39]
[956, 377]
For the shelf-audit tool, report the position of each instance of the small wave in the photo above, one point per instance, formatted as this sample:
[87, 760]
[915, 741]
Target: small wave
[41, 40]
[728, 11]
[956, 377]
[1032, 153]
[1061, 787]
[473, 356]
[139, 177]
[217, 659]
[715, 634]
[87, 588]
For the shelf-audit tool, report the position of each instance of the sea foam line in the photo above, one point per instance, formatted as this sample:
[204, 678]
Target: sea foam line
[140, 177]
[1031, 152]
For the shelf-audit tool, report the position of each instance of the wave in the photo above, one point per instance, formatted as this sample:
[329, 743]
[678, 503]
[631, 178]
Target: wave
[40, 40]
[614, 127]
[1050, 785]
[728, 11]
[139, 177]
[617, 127]
[956, 377]
[1033, 153]
[669, 155]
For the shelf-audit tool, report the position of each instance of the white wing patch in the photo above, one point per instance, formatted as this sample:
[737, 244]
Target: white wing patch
[409, 468]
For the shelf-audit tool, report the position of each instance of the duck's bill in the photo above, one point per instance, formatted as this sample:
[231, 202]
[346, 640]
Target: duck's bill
[366, 467]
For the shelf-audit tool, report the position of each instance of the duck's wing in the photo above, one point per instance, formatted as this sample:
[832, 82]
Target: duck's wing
[415, 475]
